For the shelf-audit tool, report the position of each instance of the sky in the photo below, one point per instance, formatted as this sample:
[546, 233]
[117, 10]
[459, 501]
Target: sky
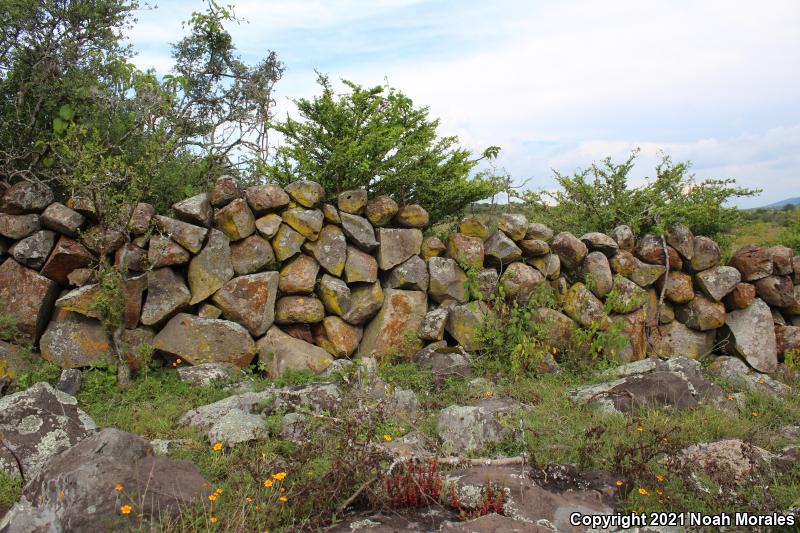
[557, 85]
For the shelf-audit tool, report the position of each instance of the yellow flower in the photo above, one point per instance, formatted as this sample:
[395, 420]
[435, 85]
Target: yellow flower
[213, 519]
[618, 483]
[644, 492]
[664, 439]
[388, 438]
[178, 360]
[730, 396]
[125, 509]
[640, 429]
[118, 487]
[279, 476]
[754, 413]
[488, 394]
[218, 491]
[659, 477]
[212, 497]
[268, 483]
[217, 446]
[283, 498]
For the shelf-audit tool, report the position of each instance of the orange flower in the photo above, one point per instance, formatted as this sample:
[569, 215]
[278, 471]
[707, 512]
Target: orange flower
[249, 499]
[754, 413]
[644, 492]
[659, 477]
[279, 476]
[488, 394]
[217, 446]
[212, 497]
[283, 498]
[388, 438]
[618, 483]
[118, 487]
[213, 519]
[268, 483]
[730, 396]
[125, 509]
[640, 429]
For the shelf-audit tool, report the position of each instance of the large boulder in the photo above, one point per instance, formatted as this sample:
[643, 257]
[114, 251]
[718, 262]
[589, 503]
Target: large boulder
[19, 226]
[359, 231]
[412, 216]
[397, 245]
[754, 262]
[753, 336]
[650, 249]
[585, 308]
[235, 220]
[141, 217]
[32, 251]
[26, 297]
[679, 287]
[600, 242]
[675, 339]
[470, 428]
[268, 225]
[729, 462]
[360, 267]
[701, 314]
[447, 280]
[706, 254]
[741, 296]
[736, 372]
[211, 268]
[67, 256]
[265, 198]
[499, 249]
[432, 246]
[205, 340]
[82, 300]
[62, 219]
[250, 301]
[306, 222]
[515, 226]
[195, 210]
[26, 197]
[777, 291]
[597, 274]
[781, 257]
[366, 300]
[534, 247]
[298, 310]
[166, 294]
[299, 275]
[334, 294]
[163, 252]
[570, 250]
[432, 327]
[627, 296]
[353, 201]
[519, 282]
[464, 321]
[549, 265]
[330, 249]
[718, 281]
[282, 352]
[225, 190]
[336, 336]
[473, 227]
[394, 328]
[539, 232]
[381, 209]
[251, 254]
[465, 250]
[410, 274]
[72, 340]
[76, 488]
[306, 193]
[36, 424]
[286, 242]
[634, 328]
[681, 238]
[187, 235]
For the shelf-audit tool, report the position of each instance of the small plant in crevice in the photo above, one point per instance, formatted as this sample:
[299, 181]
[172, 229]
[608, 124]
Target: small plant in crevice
[414, 484]
[493, 502]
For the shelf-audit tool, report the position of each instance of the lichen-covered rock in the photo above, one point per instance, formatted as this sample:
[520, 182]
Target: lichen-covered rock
[330, 249]
[365, 301]
[37, 424]
[206, 340]
[306, 193]
[432, 247]
[251, 254]
[570, 250]
[623, 236]
[600, 242]
[781, 257]
[211, 268]
[447, 280]
[706, 254]
[549, 265]
[675, 339]
[585, 308]
[225, 190]
[335, 295]
[394, 328]
[103, 242]
[187, 235]
[597, 274]
[519, 282]
[515, 226]
[466, 429]
[206, 374]
[235, 220]
[380, 210]
[650, 249]
[679, 287]
[74, 341]
[534, 247]
[718, 281]
[701, 314]
[166, 294]
[265, 198]
[299, 275]
[131, 258]
[360, 267]
[432, 327]
[336, 336]
[163, 252]
[282, 352]
[487, 282]
[250, 301]
[634, 328]
[287, 242]
[736, 372]
[777, 291]
[26, 297]
[473, 227]
[465, 250]
[141, 217]
[729, 462]
[753, 336]
[132, 342]
[397, 245]
[206, 310]
[539, 232]
[353, 201]
[195, 210]
[410, 274]
[359, 231]
[444, 361]
[298, 310]
[82, 300]
[741, 296]
[268, 225]
[463, 322]
[628, 296]
[753, 262]
[499, 249]
[33, 251]
[81, 276]
[19, 226]
[26, 197]
[412, 216]
[307, 222]
[62, 219]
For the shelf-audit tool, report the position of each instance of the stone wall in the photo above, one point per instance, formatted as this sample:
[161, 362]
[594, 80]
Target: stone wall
[279, 275]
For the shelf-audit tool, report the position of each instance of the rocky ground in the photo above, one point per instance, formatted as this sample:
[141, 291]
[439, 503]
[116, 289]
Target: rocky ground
[447, 443]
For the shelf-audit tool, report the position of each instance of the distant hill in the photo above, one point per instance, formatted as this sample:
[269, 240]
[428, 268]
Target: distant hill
[787, 201]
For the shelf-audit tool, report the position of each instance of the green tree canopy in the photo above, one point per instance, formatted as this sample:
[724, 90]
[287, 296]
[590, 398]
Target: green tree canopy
[376, 139]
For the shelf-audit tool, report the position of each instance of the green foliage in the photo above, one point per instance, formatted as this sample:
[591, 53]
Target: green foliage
[374, 138]
[10, 490]
[109, 304]
[39, 371]
[600, 198]
[790, 235]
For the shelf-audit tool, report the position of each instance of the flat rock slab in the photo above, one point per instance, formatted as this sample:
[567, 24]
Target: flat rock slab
[38, 423]
[30, 308]
[205, 340]
[468, 428]
[753, 335]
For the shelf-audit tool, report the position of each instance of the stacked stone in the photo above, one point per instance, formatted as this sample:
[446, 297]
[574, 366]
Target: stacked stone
[277, 273]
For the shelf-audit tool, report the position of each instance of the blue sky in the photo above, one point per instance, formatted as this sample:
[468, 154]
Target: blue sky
[557, 85]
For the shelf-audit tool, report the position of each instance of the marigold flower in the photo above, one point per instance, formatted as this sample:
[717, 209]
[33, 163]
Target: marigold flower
[283, 498]
[217, 446]
[730, 396]
[218, 491]
[388, 438]
[213, 519]
[212, 497]
[488, 394]
[279, 476]
[754, 413]
[125, 509]
[644, 492]
[118, 487]
[618, 483]
[659, 477]
[268, 483]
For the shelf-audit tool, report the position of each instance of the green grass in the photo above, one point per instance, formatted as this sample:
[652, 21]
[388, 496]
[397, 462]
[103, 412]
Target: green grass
[10, 489]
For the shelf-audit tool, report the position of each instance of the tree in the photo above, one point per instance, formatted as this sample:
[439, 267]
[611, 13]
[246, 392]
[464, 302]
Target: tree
[375, 139]
[600, 198]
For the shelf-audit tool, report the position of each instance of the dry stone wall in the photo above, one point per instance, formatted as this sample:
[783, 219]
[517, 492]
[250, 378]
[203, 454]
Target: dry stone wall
[279, 275]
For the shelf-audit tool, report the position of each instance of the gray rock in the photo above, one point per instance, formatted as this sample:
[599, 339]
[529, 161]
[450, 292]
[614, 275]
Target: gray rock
[681, 238]
[251, 254]
[287, 242]
[777, 291]
[675, 339]
[265, 198]
[463, 322]
[539, 232]
[519, 282]
[206, 374]
[729, 462]
[394, 328]
[754, 262]
[70, 381]
[224, 191]
[410, 274]
[447, 280]
[365, 301]
[195, 210]
[238, 427]
[444, 361]
[353, 201]
[33, 251]
[781, 257]
[718, 281]
[141, 217]
[432, 328]
[359, 231]
[74, 341]
[17, 227]
[204, 340]
[282, 352]
[26, 197]
[166, 294]
[500, 249]
[187, 235]
[307, 222]
[597, 273]
[549, 265]
[62, 219]
[706, 254]
[488, 280]
[294, 427]
[306, 193]
[623, 236]
[397, 245]
[515, 226]
[211, 268]
[163, 252]
[737, 373]
[465, 429]
[235, 220]
[753, 336]
[570, 250]
[250, 301]
[599, 242]
[330, 249]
